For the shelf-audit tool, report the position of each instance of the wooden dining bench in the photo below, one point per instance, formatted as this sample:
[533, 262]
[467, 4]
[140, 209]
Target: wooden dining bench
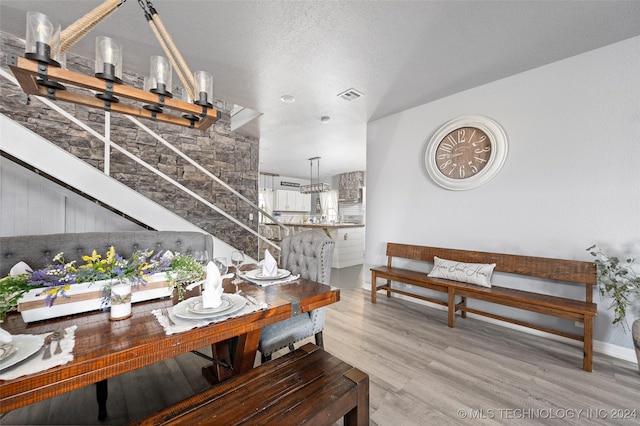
[307, 386]
[549, 270]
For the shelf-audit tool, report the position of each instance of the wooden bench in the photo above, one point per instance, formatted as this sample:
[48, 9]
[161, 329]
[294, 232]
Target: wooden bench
[556, 271]
[307, 386]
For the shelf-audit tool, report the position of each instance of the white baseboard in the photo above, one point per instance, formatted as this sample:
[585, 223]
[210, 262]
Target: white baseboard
[615, 351]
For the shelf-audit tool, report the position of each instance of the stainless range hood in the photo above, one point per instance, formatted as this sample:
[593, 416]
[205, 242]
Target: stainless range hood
[351, 187]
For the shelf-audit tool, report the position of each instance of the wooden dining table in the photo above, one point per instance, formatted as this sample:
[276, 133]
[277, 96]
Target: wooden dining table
[105, 348]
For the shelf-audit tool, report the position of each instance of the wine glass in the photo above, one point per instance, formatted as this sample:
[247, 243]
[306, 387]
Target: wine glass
[201, 256]
[237, 257]
[221, 263]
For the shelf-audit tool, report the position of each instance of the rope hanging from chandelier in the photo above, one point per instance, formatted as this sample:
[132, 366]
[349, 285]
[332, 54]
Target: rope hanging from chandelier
[177, 61]
[74, 32]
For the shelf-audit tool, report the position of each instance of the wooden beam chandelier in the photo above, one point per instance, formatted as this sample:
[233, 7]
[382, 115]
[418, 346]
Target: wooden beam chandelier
[318, 187]
[40, 71]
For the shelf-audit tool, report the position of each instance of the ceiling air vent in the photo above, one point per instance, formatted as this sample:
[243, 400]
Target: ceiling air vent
[350, 94]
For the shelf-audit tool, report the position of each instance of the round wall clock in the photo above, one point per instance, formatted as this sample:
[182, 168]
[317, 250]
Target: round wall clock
[466, 152]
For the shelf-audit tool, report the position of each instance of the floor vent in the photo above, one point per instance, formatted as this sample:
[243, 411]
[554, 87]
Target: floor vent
[350, 94]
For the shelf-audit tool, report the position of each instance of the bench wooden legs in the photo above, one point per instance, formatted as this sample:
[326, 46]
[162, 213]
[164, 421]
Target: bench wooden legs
[374, 287]
[452, 308]
[359, 415]
[463, 303]
[543, 304]
[587, 361]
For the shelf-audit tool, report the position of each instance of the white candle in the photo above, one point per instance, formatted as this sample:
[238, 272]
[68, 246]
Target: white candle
[120, 301]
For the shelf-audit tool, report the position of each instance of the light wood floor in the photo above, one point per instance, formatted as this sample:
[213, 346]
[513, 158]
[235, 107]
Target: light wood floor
[421, 373]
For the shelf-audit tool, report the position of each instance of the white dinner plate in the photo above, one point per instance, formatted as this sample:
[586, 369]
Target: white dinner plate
[6, 350]
[195, 307]
[25, 346]
[181, 310]
[256, 274]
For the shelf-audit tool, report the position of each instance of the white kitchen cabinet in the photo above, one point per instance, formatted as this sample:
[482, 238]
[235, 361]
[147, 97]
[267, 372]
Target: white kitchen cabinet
[349, 242]
[349, 249]
[282, 200]
[303, 202]
[292, 201]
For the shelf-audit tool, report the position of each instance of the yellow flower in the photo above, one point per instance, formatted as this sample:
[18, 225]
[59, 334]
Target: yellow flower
[93, 258]
[111, 255]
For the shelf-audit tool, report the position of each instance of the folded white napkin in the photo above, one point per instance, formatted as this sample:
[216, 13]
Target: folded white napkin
[5, 336]
[212, 287]
[167, 256]
[269, 265]
[19, 269]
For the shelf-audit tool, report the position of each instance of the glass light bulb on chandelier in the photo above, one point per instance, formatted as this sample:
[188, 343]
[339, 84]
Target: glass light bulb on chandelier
[161, 72]
[108, 59]
[203, 88]
[43, 38]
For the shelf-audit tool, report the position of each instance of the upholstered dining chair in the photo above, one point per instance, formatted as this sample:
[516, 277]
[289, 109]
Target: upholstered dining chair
[310, 254]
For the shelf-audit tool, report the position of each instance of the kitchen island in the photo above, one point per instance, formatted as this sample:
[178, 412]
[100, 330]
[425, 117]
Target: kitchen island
[349, 238]
[324, 227]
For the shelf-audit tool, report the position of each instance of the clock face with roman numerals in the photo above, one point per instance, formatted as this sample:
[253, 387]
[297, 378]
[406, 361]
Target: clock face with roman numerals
[466, 152]
[463, 153]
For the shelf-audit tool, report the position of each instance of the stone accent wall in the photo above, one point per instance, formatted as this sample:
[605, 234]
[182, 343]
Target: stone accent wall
[229, 155]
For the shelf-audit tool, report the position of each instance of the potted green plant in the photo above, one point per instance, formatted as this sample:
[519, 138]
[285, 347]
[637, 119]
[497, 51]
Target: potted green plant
[184, 270]
[620, 280]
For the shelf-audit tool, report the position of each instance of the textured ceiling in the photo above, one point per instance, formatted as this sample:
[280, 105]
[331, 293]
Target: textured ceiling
[398, 54]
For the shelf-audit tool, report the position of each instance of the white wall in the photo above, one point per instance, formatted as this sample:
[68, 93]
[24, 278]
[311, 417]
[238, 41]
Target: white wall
[571, 179]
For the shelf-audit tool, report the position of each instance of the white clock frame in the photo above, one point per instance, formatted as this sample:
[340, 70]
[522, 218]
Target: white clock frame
[499, 149]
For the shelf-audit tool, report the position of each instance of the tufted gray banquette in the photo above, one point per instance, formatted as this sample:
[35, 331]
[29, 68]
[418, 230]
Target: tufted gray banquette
[36, 249]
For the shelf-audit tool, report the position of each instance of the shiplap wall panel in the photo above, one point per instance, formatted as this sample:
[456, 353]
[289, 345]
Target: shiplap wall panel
[31, 205]
[7, 200]
[45, 207]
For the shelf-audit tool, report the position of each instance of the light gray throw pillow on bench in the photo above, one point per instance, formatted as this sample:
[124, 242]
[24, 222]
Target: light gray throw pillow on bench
[472, 273]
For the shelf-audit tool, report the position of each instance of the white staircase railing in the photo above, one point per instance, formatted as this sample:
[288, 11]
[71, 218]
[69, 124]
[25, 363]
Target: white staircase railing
[110, 144]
